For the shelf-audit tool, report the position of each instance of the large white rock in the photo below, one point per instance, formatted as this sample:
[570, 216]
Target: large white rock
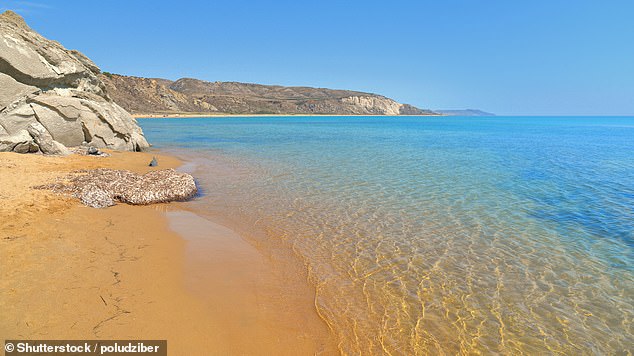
[44, 86]
[34, 60]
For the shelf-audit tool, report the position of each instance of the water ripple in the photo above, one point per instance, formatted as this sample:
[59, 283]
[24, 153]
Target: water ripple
[438, 235]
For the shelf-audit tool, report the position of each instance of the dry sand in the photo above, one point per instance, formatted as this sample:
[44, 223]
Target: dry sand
[223, 115]
[73, 272]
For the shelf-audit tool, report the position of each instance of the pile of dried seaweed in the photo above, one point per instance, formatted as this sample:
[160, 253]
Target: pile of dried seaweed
[100, 188]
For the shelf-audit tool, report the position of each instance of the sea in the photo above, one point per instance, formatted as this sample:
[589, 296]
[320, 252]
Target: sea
[434, 235]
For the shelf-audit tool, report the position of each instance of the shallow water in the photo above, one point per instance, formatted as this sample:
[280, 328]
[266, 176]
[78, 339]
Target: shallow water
[435, 234]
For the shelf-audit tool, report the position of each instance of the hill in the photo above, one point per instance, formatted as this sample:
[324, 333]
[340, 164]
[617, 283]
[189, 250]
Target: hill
[161, 96]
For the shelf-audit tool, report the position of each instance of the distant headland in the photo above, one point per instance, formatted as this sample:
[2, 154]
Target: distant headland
[187, 96]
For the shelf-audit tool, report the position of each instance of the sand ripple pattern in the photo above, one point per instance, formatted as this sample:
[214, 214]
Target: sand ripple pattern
[423, 236]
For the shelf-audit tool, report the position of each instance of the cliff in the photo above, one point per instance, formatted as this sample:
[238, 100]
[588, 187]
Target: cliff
[51, 98]
[186, 95]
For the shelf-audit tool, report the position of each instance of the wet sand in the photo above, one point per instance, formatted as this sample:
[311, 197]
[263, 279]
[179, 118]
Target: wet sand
[68, 271]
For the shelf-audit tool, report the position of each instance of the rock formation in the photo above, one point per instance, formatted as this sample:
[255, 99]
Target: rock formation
[162, 96]
[54, 96]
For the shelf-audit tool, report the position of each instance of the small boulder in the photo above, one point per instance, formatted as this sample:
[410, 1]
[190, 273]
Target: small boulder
[45, 141]
[26, 147]
[19, 142]
[154, 162]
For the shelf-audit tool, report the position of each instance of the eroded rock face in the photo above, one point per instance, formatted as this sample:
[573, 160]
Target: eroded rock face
[374, 104]
[44, 86]
[10, 89]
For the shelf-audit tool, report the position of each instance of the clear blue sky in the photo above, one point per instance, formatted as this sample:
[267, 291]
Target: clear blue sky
[536, 57]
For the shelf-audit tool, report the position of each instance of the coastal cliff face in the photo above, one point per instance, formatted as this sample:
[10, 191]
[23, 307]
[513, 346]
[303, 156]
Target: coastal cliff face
[374, 104]
[51, 98]
[186, 95]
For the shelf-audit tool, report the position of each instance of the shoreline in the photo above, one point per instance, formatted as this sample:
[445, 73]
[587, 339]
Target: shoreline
[70, 271]
[212, 115]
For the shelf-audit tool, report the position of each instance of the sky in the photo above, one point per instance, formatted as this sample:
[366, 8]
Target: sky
[538, 57]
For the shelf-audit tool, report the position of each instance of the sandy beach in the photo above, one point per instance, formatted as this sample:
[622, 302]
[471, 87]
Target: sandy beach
[316, 178]
[73, 272]
[219, 115]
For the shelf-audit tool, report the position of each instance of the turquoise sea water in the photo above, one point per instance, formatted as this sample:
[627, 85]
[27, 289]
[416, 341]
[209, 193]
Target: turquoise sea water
[436, 234]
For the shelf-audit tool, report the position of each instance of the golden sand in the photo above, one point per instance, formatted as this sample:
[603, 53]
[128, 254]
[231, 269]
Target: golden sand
[73, 272]
[185, 115]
